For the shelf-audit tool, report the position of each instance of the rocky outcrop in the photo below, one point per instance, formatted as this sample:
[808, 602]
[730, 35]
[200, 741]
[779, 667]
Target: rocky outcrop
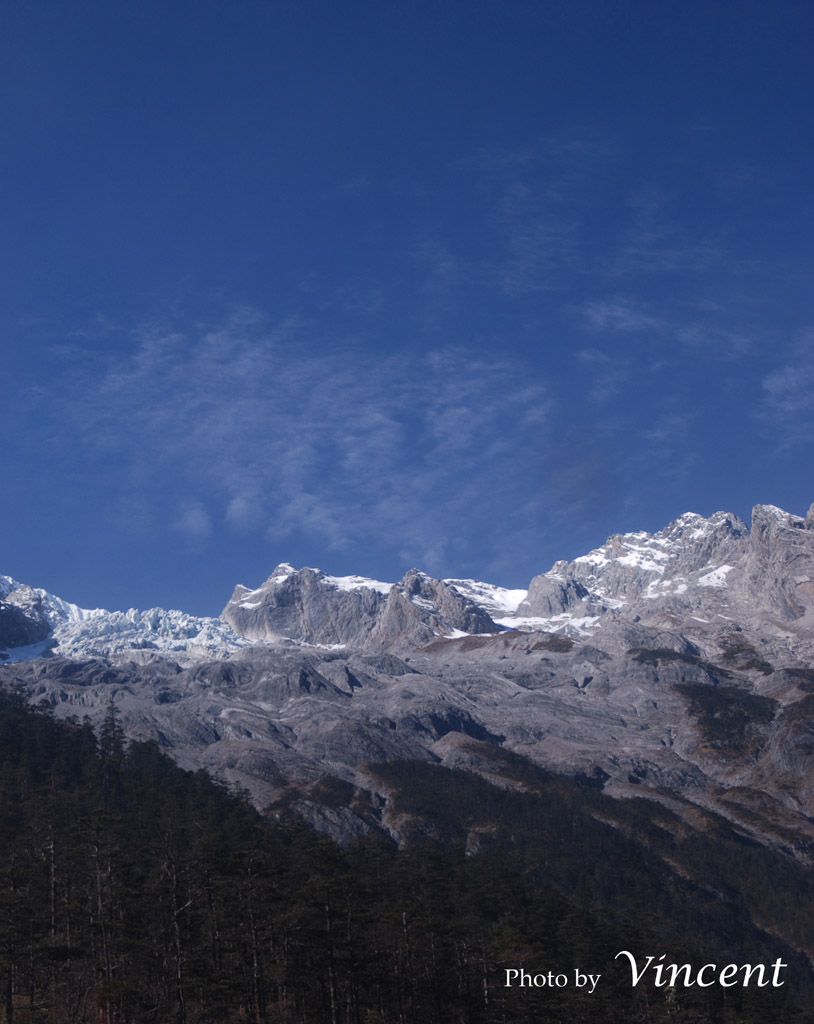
[695, 569]
[642, 566]
[23, 620]
[552, 594]
[307, 605]
[419, 608]
[778, 569]
[313, 607]
[17, 629]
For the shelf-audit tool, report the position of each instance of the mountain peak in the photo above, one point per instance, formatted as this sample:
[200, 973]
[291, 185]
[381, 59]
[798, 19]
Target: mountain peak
[696, 569]
[283, 571]
[770, 514]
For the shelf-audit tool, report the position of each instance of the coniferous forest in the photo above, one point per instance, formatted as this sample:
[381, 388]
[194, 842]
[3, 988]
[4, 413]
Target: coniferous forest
[133, 891]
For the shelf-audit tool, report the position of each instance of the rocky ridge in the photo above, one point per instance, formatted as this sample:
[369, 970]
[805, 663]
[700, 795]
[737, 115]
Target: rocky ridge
[678, 665]
[311, 606]
[696, 569]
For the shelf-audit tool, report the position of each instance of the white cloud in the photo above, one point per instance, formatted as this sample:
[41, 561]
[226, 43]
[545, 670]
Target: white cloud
[193, 520]
[715, 341]
[278, 433]
[789, 390]
[623, 315]
[539, 201]
[658, 242]
[610, 374]
[788, 394]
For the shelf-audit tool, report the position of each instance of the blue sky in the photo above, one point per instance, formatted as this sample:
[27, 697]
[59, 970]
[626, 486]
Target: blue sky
[465, 286]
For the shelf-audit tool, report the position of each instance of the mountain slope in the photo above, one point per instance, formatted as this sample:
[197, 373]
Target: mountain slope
[136, 891]
[676, 665]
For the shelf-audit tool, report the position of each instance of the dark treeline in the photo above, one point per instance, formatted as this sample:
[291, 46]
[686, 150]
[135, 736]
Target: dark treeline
[712, 891]
[132, 891]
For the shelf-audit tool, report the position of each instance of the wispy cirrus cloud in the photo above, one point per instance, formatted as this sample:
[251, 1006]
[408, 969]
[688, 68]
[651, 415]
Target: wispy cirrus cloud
[444, 278]
[263, 429]
[537, 203]
[657, 241]
[609, 373]
[621, 314]
[787, 406]
[717, 341]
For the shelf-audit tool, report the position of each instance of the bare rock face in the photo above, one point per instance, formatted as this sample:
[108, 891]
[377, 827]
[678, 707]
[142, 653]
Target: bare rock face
[18, 629]
[310, 606]
[696, 568]
[307, 605]
[778, 570]
[420, 608]
[643, 566]
[23, 620]
[553, 594]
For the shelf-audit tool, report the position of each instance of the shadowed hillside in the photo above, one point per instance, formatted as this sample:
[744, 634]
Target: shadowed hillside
[132, 891]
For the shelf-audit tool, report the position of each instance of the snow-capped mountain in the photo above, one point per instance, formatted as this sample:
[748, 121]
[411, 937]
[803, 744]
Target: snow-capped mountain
[311, 606]
[51, 625]
[695, 572]
[499, 602]
[678, 664]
